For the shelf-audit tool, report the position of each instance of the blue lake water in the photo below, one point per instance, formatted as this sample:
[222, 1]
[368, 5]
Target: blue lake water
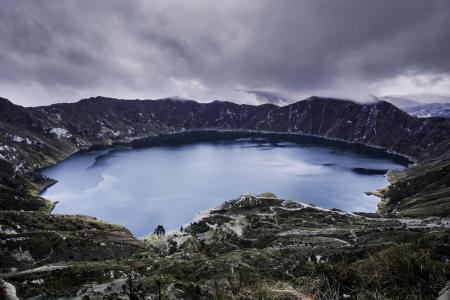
[141, 188]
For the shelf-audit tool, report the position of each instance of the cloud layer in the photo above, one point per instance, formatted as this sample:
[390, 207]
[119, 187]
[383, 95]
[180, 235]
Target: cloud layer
[53, 51]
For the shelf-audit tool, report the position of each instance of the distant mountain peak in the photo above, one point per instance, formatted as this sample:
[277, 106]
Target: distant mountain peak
[441, 110]
[410, 100]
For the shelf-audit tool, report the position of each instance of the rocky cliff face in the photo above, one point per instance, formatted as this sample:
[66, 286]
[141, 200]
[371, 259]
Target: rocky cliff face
[38, 136]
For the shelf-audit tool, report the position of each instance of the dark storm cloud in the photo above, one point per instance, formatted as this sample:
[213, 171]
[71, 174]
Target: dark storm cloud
[63, 50]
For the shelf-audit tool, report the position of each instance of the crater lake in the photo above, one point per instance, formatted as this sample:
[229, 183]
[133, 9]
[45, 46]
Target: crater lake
[143, 187]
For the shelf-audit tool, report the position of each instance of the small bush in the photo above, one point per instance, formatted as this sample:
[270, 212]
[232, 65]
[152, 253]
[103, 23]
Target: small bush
[398, 272]
[219, 292]
[332, 281]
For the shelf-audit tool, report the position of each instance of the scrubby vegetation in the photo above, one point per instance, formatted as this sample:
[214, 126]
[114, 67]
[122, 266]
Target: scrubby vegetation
[255, 247]
[398, 272]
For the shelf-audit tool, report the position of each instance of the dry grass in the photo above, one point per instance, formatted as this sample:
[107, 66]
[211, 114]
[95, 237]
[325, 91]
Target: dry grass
[398, 272]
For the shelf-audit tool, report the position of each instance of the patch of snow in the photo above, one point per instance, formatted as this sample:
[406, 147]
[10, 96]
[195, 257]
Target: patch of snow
[16, 138]
[61, 132]
[105, 131]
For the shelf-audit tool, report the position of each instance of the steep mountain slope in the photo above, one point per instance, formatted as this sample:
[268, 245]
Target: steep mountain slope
[58, 130]
[421, 190]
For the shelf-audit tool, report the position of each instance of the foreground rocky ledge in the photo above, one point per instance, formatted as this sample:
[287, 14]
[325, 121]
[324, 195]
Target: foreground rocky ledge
[253, 247]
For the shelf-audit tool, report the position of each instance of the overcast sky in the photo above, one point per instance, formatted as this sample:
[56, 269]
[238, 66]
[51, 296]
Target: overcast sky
[62, 51]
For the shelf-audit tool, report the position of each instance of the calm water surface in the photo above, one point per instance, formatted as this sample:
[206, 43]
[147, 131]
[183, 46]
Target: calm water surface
[141, 188]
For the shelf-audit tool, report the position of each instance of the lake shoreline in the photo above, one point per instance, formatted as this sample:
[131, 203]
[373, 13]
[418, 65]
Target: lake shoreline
[297, 161]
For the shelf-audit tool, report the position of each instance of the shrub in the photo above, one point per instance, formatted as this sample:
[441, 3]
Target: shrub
[398, 272]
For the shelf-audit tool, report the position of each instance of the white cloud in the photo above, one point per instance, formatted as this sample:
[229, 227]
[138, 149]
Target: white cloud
[412, 83]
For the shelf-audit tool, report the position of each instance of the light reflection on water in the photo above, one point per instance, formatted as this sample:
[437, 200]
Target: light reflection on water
[141, 188]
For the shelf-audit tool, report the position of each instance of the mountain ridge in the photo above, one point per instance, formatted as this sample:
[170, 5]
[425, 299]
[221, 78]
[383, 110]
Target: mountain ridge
[102, 120]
